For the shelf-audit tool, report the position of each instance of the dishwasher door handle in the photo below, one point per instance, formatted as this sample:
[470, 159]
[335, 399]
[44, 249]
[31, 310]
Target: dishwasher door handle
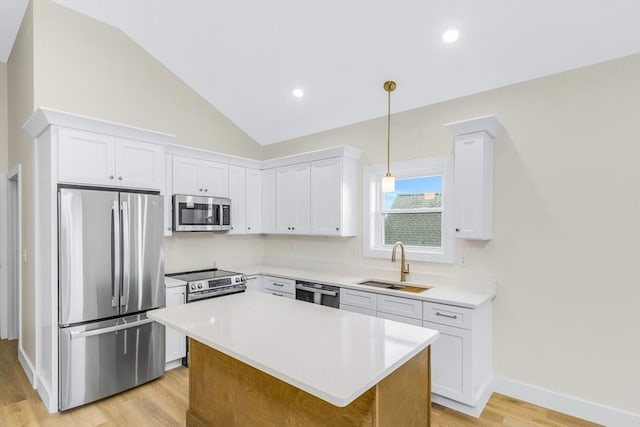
[316, 290]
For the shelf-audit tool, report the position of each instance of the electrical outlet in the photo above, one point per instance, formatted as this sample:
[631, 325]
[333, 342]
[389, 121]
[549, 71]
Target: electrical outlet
[463, 260]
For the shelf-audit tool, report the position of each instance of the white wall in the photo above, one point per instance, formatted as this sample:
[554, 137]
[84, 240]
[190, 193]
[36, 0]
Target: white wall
[566, 233]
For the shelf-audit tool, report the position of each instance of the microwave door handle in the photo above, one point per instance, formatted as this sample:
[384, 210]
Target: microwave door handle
[126, 254]
[115, 254]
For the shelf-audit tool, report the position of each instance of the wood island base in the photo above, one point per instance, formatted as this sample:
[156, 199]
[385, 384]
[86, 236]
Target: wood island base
[224, 392]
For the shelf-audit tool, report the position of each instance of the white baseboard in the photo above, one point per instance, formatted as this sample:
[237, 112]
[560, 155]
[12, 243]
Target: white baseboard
[45, 395]
[27, 366]
[473, 411]
[569, 405]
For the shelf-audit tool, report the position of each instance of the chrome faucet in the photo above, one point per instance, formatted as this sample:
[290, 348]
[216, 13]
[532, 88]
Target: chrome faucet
[404, 267]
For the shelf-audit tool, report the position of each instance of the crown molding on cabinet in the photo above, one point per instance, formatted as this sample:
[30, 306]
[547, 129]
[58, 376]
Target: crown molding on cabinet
[44, 117]
[310, 156]
[213, 156]
[488, 123]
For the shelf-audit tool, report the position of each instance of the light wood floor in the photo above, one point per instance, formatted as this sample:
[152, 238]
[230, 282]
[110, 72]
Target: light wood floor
[164, 403]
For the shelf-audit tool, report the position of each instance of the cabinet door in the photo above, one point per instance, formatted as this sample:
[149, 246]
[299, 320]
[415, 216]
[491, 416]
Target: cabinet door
[268, 201]
[302, 187]
[175, 341]
[253, 200]
[185, 176]
[401, 319]
[86, 157]
[237, 194]
[139, 164]
[473, 186]
[254, 283]
[400, 306]
[293, 202]
[213, 179]
[326, 196]
[451, 363]
[285, 200]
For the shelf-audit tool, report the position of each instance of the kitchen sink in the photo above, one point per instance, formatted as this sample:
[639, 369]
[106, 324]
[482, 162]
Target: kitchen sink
[393, 285]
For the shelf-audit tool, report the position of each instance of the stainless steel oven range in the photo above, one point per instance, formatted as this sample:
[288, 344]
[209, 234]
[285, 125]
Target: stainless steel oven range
[203, 284]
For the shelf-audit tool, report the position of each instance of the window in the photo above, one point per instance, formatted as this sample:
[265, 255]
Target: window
[416, 214]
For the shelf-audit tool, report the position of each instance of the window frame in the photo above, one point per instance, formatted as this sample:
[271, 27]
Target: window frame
[373, 208]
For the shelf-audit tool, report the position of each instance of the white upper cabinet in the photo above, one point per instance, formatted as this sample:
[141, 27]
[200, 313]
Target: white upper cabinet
[237, 194]
[268, 201]
[473, 182]
[199, 177]
[99, 159]
[139, 164]
[167, 192]
[293, 202]
[253, 201]
[333, 197]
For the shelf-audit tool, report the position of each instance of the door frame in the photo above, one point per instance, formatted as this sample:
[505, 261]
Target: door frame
[11, 278]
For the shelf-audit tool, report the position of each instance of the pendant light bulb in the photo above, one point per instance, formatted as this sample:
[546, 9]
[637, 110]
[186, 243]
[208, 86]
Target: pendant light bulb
[388, 181]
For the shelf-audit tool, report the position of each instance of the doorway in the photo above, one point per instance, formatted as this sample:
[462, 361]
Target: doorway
[11, 231]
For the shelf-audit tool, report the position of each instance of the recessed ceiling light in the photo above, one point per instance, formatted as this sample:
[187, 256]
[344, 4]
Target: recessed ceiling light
[298, 93]
[450, 36]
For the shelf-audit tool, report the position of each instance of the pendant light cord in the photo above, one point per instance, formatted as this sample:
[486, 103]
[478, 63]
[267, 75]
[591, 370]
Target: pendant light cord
[388, 130]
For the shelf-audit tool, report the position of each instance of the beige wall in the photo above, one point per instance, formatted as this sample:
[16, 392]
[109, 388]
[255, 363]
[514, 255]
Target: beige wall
[87, 67]
[4, 119]
[565, 246]
[20, 149]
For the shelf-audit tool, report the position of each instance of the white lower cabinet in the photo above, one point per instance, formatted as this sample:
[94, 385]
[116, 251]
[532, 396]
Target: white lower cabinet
[254, 283]
[451, 363]
[401, 319]
[175, 342]
[461, 357]
[279, 286]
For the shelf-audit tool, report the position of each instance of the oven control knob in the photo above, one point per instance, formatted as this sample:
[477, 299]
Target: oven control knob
[199, 285]
[193, 286]
[242, 279]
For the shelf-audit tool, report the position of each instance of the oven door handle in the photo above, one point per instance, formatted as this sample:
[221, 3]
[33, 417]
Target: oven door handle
[316, 290]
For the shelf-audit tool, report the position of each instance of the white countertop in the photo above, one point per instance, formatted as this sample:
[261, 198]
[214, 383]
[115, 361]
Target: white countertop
[443, 294]
[335, 355]
[170, 282]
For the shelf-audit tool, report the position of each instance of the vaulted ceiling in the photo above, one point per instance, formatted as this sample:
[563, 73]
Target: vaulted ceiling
[246, 57]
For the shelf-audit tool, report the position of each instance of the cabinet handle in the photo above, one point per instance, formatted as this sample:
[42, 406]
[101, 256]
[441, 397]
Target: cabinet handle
[450, 316]
[200, 189]
[248, 228]
[337, 228]
[120, 178]
[457, 230]
[111, 176]
[293, 228]
[277, 294]
[288, 228]
[278, 284]
[206, 189]
[168, 228]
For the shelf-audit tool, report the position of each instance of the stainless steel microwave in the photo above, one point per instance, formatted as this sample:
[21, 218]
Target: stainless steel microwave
[197, 213]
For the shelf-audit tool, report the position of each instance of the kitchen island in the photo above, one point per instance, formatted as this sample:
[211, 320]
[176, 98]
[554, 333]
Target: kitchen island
[259, 360]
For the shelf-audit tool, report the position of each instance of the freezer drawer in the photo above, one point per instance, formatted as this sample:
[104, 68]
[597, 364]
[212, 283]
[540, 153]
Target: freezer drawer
[104, 358]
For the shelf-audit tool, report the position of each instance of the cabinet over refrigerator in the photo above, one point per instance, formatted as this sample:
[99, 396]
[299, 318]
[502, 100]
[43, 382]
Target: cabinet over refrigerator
[111, 271]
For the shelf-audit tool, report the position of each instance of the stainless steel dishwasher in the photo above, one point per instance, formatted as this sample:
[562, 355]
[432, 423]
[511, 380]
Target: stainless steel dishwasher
[318, 293]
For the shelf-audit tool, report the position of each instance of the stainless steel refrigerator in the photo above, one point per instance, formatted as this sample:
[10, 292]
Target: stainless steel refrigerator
[111, 271]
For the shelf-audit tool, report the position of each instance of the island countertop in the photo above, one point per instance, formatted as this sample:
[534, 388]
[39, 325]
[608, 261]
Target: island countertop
[332, 354]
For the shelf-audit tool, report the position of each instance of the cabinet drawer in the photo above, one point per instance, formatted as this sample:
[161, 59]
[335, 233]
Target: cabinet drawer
[447, 315]
[360, 299]
[401, 319]
[400, 306]
[280, 294]
[360, 310]
[279, 284]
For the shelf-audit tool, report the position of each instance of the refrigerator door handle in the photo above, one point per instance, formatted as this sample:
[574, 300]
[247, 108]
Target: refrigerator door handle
[115, 254]
[84, 334]
[126, 255]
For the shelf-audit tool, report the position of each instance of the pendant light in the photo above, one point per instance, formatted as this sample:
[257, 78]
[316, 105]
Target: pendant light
[388, 181]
